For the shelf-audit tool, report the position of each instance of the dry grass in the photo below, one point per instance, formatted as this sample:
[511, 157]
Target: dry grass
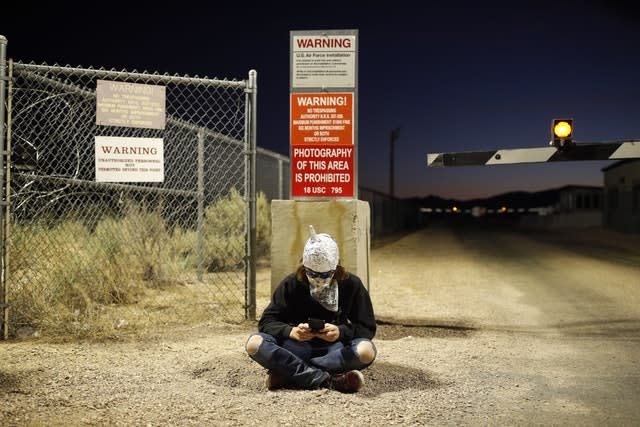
[129, 272]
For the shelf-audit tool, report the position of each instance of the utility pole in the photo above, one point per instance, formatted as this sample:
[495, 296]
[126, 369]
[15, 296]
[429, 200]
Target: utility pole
[394, 137]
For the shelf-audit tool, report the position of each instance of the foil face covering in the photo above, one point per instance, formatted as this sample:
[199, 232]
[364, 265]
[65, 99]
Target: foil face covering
[321, 254]
[325, 292]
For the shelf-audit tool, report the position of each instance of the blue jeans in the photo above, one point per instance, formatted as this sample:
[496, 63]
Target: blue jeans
[308, 364]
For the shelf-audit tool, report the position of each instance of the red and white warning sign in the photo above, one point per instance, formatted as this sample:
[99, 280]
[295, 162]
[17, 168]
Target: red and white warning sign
[322, 150]
[322, 131]
[321, 118]
[322, 170]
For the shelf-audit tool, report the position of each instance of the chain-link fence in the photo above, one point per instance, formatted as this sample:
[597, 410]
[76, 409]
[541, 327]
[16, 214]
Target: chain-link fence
[85, 254]
[390, 214]
[273, 174]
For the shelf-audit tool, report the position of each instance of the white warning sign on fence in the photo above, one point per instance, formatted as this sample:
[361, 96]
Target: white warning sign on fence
[130, 105]
[129, 159]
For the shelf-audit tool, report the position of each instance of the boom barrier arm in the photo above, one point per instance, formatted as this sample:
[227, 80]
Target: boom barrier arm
[576, 151]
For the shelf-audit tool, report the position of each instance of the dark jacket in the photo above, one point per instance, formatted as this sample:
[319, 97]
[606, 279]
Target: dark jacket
[291, 304]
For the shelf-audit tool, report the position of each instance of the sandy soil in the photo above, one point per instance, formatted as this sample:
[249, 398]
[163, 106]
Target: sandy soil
[465, 337]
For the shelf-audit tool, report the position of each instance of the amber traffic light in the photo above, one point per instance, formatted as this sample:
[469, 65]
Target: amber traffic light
[562, 132]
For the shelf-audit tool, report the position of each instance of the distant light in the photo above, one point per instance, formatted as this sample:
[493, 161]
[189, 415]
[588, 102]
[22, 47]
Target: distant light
[503, 209]
[562, 133]
[455, 209]
[562, 129]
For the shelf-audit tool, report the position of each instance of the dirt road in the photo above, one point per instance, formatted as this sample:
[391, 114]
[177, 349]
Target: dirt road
[477, 327]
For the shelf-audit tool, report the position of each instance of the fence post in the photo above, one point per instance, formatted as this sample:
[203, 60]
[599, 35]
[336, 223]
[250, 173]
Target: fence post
[250, 162]
[3, 129]
[200, 226]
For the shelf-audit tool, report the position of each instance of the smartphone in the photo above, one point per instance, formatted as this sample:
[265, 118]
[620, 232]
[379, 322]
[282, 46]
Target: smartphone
[316, 324]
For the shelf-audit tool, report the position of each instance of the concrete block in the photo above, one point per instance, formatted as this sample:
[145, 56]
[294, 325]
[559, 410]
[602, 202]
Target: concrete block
[347, 221]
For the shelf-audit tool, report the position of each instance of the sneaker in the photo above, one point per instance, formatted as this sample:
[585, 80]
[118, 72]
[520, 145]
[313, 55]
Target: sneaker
[275, 381]
[349, 382]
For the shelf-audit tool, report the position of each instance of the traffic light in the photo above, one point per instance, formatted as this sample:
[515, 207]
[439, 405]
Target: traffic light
[562, 132]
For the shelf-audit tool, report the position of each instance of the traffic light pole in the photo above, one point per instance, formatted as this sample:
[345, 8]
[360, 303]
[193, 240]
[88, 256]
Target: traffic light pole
[575, 151]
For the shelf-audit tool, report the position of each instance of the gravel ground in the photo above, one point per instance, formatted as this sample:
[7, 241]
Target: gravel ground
[459, 344]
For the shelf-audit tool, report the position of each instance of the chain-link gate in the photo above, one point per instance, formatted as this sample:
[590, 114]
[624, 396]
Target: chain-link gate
[82, 256]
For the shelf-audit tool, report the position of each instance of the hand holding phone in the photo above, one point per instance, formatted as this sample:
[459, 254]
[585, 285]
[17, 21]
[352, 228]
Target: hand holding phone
[316, 324]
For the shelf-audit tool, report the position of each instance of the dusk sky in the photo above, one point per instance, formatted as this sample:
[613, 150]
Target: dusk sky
[452, 75]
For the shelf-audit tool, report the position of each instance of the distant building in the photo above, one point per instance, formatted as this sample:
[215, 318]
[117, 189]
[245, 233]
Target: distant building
[579, 198]
[622, 196]
[571, 206]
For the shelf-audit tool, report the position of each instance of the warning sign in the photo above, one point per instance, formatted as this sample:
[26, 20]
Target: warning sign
[323, 135]
[322, 170]
[323, 60]
[130, 104]
[321, 118]
[129, 159]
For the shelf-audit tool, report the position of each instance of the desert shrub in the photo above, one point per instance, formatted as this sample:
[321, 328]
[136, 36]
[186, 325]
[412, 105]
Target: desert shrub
[183, 252]
[224, 231]
[70, 277]
[64, 274]
[147, 243]
[263, 226]
[58, 284]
